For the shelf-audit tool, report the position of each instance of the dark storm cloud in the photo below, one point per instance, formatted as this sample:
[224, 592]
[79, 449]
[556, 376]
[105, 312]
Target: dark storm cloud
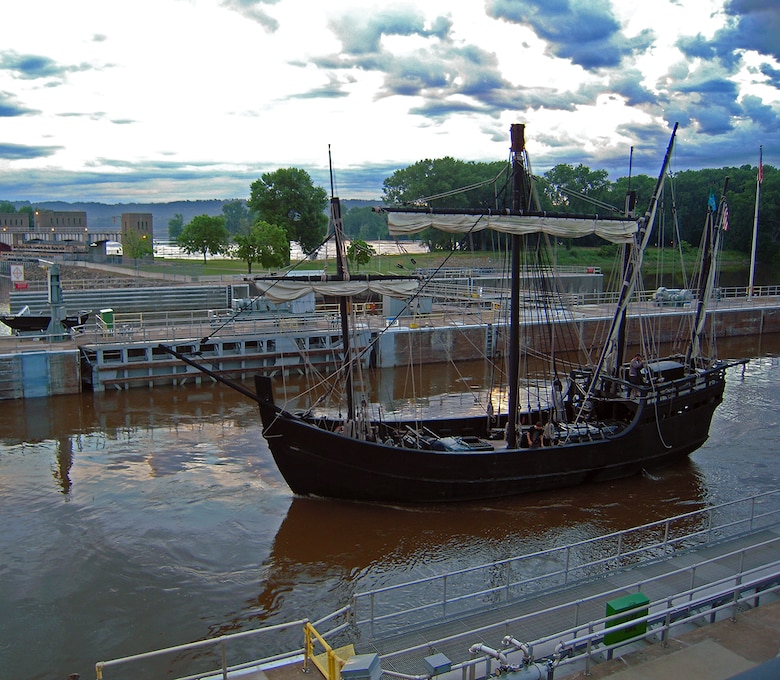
[625, 83]
[757, 25]
[752, 25]
[762, 114]
[772, 73]
[713, 100]
[15, 152]
[254, 10]
[587, 33]
[33, 67]
[9, 107]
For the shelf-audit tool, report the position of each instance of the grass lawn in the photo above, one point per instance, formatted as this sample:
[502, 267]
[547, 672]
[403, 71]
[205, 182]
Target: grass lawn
[663, 260]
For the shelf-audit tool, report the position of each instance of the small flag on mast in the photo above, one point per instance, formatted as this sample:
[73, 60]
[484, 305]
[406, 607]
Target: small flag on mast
[725, 221]
[760, 164]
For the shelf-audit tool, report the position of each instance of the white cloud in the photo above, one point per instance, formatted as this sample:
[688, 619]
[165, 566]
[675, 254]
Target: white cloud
[195, 98]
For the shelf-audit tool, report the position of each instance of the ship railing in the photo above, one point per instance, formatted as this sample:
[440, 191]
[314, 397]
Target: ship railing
[583, 641]
[442, 597]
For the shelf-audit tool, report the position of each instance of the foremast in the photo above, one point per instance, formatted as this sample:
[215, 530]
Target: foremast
[612, 352]
[713, 227]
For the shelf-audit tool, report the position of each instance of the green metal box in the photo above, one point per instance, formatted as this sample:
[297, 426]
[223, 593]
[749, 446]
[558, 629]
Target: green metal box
[633, 607]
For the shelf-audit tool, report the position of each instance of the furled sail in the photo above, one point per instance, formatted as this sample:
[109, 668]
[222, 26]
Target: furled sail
[292, 288]
[615, 230]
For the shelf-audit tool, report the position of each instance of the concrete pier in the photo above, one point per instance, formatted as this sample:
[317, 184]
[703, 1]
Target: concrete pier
[127, 355]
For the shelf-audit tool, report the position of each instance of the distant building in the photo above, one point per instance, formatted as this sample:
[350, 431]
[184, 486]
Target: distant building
[58, 230]
[51, 231]
[59, 223]
[136, 227]
[66, 232]
[12, 225]
[14, 221]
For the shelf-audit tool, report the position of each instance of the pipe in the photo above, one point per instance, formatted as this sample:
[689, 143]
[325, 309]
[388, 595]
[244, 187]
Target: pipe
[521, 646]
[489, 651]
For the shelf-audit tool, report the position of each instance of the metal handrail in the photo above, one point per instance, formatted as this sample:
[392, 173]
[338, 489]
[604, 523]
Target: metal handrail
[751, 521]
[664, 615]
[763, 579]
[222, 641]
[437, 596]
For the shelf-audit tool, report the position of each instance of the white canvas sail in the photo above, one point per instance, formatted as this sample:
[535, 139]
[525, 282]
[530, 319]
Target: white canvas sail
[290, 288]
[614, 230]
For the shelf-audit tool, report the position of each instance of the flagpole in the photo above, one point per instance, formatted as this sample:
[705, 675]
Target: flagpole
[759, 178]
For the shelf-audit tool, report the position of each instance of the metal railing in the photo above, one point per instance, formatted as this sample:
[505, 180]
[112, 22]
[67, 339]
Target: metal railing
[221, 643]
[582, 642]
[582, 561]
[382, 611]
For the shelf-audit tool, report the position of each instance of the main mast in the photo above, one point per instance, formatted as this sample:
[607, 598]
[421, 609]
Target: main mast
[521, 192]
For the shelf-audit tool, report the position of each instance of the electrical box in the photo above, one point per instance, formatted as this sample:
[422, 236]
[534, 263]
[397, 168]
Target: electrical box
[362, 667]
[632, 607]
[107, 317]
[437, 664]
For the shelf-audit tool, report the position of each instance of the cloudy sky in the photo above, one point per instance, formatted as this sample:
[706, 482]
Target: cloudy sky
[158, 100]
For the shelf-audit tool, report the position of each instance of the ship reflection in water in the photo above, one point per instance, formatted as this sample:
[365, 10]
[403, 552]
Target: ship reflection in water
[352, 547]
[144, 519]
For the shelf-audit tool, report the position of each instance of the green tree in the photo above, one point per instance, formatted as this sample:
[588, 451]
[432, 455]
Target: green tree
[136, 246]
[7, 207]
[265, 243]
[238, 217]
[175, 226]
[360, 252]
[204, 234]
[564, 182]
[287, 198]
[366, 224]
[442, 179]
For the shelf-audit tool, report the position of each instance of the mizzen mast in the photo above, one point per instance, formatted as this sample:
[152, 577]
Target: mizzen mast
[342, 273]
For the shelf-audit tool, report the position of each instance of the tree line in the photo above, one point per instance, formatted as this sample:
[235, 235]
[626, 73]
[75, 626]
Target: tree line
[285, 206]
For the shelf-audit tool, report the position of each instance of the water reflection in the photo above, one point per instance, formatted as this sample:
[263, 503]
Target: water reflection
[142, 519]
[324, 550]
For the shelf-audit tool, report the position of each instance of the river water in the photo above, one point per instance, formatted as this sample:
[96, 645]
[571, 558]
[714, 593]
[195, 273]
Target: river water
[144, 519]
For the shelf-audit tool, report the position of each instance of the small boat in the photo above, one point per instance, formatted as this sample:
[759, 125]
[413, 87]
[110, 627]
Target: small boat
[25, 322]
[599, 422]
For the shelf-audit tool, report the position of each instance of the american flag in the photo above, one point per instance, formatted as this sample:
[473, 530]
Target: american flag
[760, 164]
[725, 222]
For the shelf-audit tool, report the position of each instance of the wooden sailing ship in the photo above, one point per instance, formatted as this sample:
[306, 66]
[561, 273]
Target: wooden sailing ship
[599, 426]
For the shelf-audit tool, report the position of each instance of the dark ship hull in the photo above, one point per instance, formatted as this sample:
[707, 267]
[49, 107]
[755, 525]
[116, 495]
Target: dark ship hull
[315, 459]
